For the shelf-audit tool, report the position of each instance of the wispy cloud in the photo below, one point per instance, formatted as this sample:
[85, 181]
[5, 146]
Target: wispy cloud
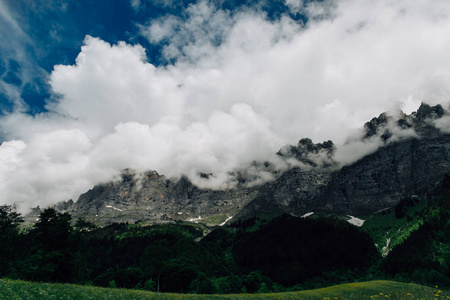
[20, 69]
[15, 61]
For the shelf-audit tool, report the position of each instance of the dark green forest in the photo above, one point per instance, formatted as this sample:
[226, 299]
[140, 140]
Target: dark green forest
[283, 254]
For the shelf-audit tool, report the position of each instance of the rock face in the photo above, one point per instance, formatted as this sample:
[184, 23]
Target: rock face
[153, 197]
[295, 192]
[381, 179]
[413, 155]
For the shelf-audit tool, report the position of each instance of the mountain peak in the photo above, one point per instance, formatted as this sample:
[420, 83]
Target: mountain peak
[315, 155]
[426, 111]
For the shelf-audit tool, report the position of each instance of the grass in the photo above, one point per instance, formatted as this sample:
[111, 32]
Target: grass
[18, 290]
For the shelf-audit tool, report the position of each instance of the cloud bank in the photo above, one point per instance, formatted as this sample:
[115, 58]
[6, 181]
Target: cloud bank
[237, 87]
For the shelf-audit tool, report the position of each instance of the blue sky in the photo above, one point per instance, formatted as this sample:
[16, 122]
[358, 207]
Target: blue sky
[41, 34]
[89, 88]
[52, 32]
[49, 33]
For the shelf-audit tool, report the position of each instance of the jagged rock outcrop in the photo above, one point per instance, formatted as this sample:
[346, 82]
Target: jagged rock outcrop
[153, 197]
[315, 155]
[413, 155]
[373, 127]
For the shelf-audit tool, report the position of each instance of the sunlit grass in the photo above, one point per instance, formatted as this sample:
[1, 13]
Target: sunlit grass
[18, 290]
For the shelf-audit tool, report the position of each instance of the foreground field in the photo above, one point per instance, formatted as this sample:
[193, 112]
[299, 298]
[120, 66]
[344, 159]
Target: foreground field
[14, 289]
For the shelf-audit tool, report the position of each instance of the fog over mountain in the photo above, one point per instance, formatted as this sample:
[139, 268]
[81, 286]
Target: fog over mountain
[236, 87]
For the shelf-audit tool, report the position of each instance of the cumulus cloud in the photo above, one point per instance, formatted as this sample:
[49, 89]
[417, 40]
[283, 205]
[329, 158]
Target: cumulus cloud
[236, 88]
[49, 168]
[114, 84]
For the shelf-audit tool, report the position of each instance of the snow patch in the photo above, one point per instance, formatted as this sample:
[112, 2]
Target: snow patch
[195, 220]
[228, 219]
[307, 215]
[118, 209]
[356, 221]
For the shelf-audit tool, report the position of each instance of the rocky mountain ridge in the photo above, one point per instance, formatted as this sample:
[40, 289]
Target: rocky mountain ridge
[413, 152]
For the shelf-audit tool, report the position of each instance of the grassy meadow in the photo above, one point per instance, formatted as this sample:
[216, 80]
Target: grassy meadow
[18, 290]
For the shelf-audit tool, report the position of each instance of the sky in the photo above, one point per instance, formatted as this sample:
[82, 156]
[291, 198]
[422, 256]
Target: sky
[89, 88]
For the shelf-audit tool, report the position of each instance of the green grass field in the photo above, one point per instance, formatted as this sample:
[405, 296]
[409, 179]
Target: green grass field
[15, 289]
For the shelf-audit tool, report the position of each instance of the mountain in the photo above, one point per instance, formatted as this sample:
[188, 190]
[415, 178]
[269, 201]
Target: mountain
[410, 154]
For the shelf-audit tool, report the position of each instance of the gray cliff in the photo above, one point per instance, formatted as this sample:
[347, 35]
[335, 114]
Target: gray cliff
[383, 178]
[154, 198]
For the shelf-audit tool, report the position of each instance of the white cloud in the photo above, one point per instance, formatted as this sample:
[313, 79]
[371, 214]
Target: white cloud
[220, 145]
[135, 4]
[239, 88]
[13, 48]
[18, 67]
[294, 5]
[114, 84]
[9, 155]
[193, 38]
[444, 123]
[51, 167]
